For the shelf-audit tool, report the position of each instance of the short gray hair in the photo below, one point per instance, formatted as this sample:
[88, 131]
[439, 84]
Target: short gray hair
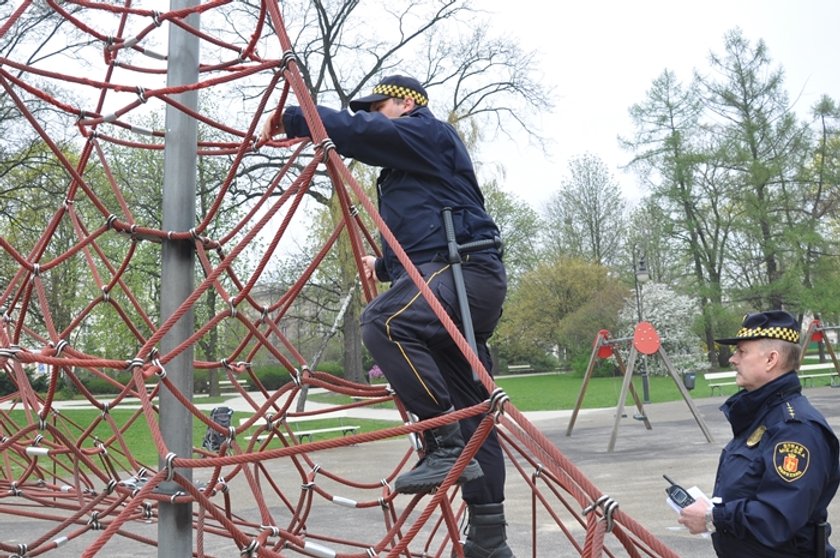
[788, 353]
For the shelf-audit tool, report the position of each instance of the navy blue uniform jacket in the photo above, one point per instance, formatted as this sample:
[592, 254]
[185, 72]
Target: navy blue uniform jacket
[777, 476]
[425, 168]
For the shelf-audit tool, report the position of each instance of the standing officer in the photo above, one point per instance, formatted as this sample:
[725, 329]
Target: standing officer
[777, 476]
[426, 168]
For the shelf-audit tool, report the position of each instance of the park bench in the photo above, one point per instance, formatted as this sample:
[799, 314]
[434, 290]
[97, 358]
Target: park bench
[308, 426]
[226, 386]
[519, 368]
[719, 380]
[818, 370]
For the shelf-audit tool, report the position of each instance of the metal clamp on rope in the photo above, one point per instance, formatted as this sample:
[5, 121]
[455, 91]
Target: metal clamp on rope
[497, 403]
[251, 549]
[326, 145]
[288, 56]
[94, 521]
[161, 370]
[60, 346]
[275, 531]
[608, 505]
[22, 550]
[12, 351]
[170, 471]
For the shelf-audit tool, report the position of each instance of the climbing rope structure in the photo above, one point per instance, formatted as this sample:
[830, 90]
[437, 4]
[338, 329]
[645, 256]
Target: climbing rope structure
[77, 487]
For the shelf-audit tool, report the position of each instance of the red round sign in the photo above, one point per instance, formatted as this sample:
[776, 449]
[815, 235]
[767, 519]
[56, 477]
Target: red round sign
[645, 338]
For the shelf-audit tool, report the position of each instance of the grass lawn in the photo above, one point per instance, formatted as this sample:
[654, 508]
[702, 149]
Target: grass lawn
[138, 437]
[560, 391]
[527, 392]
[547, 392]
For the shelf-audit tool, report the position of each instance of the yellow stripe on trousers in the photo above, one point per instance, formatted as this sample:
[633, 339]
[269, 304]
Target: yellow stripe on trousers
[397, 343]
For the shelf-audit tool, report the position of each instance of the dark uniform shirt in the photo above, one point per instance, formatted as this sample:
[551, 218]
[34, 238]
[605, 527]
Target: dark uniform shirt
[777, 476]
[426, 167]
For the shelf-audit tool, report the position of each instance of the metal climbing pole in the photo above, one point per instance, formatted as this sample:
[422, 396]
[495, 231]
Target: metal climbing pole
[177, 275]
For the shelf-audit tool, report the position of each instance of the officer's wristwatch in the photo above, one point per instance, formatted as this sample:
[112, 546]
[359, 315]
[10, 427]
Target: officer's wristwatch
[710, 521]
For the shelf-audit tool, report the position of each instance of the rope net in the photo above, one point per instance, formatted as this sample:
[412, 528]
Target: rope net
[71, 486]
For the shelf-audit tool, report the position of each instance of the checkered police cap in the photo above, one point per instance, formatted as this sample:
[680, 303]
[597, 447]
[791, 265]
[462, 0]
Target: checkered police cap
[399, 87]
[773, 324]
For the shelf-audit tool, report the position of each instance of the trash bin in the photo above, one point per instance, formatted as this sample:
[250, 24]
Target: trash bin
[688, 380]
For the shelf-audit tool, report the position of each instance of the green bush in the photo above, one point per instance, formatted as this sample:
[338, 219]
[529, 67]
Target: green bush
[201, 381]
[39, 382]
[100, 386]
[604, 367]
[332, 367]
[272, 376]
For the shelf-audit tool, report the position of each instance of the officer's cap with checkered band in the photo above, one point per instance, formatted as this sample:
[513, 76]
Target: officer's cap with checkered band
[396, 86]
[773, 324]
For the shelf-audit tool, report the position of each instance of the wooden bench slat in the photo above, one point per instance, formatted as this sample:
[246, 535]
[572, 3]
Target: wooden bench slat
[725, 375]
[810, 368]
[811, 372]
[818, 366]
[296, 423]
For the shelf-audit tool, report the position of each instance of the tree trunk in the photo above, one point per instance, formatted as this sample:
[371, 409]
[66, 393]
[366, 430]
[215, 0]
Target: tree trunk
[352, 358]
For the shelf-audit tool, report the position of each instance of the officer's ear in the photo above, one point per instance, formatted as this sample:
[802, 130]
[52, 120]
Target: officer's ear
[774, 358]
[409, 105]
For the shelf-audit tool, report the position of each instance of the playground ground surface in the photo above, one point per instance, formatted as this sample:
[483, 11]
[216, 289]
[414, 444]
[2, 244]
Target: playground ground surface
[631, 474]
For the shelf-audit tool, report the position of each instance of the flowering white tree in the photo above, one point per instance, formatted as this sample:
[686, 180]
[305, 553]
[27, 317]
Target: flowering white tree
[673, 315]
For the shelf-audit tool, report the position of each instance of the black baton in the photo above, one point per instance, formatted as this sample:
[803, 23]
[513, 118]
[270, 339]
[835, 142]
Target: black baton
[454, 251]
[822, 539]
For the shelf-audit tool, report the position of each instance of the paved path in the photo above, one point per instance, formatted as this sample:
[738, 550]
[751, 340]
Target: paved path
[631, 474]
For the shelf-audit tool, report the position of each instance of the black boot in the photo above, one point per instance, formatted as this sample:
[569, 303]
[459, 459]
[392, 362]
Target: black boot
[486, 536]
[443, 447]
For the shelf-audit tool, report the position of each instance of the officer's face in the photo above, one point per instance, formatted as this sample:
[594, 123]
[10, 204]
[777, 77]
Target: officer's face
[391, 107]
[753, 361]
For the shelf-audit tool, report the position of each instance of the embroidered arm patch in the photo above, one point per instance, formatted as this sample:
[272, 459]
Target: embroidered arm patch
[791, 460]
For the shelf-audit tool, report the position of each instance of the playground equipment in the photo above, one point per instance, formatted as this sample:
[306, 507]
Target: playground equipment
[817, 332]
[70, 487]
[646, 341]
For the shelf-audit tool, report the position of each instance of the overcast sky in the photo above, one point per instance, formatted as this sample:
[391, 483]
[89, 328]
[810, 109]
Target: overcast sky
[601, 56]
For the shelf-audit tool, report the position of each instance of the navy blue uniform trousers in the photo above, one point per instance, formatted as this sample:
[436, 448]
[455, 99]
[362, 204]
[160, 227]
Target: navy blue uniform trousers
[421, 361]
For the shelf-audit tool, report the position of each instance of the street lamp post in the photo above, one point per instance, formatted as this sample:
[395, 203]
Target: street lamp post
[641, 276]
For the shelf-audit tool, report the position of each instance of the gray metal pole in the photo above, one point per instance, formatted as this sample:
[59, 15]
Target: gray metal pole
[175, 534]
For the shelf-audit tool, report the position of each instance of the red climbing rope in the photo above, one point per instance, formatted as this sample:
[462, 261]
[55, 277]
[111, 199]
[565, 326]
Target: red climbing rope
[69, 467]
